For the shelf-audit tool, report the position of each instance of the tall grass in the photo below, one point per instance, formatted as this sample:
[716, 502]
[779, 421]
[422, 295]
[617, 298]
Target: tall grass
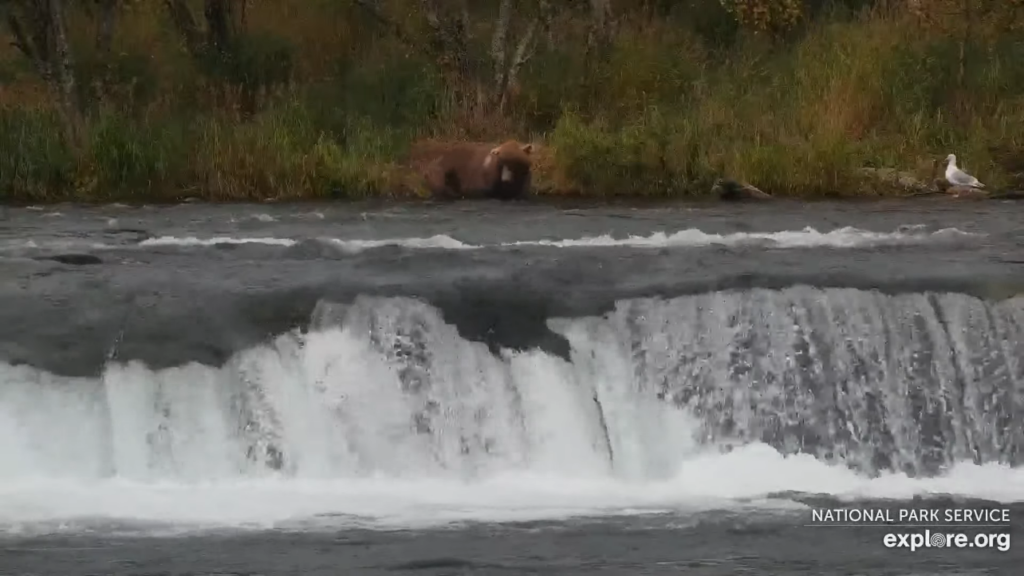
[800, 120]
[669, 108]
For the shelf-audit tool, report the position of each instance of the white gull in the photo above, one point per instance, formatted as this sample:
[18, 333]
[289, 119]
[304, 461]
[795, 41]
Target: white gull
[958, 177]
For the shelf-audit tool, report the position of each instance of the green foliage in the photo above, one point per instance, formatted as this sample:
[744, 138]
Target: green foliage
[400, 93]
[651, 155]
[126, 158]
[307, 101]
[251, 61]
[35, 163]
[124, 81]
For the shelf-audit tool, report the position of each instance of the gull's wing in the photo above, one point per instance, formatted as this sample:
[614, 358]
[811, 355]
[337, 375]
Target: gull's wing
[961, 178]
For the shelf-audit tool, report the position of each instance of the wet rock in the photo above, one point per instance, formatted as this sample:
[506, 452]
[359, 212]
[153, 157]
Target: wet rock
[733, 191]
[966, 193]
[959, 192]
[892, 179]
[131, 234]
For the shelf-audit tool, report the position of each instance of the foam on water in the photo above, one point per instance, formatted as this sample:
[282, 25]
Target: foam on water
[194, 241]
[739, 480]
[382, 416]
[847, 237]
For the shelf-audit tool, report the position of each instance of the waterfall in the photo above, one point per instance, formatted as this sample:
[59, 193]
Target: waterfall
[912, 383]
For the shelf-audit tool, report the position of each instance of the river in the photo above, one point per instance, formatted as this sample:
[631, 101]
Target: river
[505, 388]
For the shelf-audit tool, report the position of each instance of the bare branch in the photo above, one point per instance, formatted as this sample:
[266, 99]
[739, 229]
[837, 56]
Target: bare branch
[450, 27]
[185, 22]
[524, 51]
[372, 8]
[24, 45]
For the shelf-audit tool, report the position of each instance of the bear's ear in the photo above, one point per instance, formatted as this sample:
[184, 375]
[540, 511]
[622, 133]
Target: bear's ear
[527, 148]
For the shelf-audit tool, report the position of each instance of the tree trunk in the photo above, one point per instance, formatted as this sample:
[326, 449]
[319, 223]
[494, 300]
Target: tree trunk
[221, 23]
[64, 76]
[506, 70]
[40, 34]
[449, 43]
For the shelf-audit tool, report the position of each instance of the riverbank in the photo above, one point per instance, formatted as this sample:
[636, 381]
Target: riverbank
[862, 104]
[264, 162]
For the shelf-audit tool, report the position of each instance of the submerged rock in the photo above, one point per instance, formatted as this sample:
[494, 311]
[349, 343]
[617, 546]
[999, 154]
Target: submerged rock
[73, 259]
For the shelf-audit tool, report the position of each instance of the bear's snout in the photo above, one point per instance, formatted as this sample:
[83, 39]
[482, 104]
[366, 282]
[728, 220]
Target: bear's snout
[506, 174]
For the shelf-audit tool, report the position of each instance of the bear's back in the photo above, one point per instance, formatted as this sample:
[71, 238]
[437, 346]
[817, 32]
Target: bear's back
[467, 169]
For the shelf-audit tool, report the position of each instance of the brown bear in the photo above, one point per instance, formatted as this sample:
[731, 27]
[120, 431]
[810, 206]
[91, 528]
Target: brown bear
[733, 191]
[474, 169]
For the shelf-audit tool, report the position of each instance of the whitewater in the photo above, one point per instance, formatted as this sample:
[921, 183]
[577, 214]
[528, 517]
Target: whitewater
[808, 237]
[257, 370]
[380, 415]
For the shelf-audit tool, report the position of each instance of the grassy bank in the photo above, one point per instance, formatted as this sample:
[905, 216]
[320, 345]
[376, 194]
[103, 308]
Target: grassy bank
[673, 102]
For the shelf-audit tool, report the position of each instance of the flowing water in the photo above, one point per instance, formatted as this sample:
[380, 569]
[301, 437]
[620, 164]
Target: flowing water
[504, 388]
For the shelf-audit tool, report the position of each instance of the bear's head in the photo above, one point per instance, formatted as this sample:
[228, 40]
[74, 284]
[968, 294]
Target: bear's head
[510, 164]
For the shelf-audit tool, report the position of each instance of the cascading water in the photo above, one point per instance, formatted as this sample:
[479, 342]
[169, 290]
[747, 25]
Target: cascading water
[912, 383]
[380, 387]
[657, 392]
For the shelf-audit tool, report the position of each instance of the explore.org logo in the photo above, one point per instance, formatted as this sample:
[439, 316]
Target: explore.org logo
[959, 527]
[929, 539]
